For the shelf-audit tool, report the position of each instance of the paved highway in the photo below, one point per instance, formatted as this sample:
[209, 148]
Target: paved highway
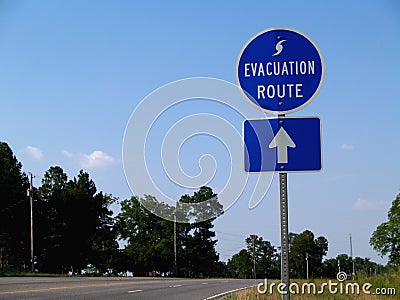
[116, 288]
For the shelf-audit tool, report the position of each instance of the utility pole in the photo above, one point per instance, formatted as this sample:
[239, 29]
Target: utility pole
[175, 254]
[254, 259]
[30, 193]
[351, 255]
[307, 263]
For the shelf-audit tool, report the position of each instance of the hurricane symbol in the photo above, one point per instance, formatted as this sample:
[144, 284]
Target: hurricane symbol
[279, 47]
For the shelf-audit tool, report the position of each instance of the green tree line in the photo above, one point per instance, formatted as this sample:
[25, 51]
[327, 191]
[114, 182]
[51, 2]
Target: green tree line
[260, 259]
[76, 231]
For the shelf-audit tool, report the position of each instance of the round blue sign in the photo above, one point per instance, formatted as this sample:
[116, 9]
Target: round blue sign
[280, 70]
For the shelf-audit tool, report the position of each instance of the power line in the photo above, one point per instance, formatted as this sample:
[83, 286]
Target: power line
[232, 234]
[229, 250]
[232, 240]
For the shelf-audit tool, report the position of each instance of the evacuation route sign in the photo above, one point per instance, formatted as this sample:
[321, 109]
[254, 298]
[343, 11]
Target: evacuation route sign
[280, 70]
[293, 145]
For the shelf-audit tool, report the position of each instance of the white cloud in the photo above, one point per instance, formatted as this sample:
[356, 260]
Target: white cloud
[363, 204]
[67, 154]
[347, 147]
[34, 152]
[96, 159]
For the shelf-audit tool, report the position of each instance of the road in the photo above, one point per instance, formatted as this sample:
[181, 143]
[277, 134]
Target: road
[116, 288]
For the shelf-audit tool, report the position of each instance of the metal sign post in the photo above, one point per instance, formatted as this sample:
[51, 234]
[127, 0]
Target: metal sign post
[284, 235]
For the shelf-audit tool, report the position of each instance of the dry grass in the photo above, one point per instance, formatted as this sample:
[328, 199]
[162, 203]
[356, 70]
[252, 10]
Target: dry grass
[387, 281]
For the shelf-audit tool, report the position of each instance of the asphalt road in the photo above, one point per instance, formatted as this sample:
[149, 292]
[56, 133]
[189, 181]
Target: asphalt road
[116, 288]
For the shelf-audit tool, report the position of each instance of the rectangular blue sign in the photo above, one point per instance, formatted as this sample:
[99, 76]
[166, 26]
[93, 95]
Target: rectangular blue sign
[282, 144]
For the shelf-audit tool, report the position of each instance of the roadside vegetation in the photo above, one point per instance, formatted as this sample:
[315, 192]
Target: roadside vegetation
[387, 285]
[25, 274]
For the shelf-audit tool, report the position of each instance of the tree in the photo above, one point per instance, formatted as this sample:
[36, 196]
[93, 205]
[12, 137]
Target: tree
[240, 265]
[386, 238]
[74, 226]
[265, 257]
[200, 256]
[104, 249]
[361, 265]
[49, 220]
[330, 268]
[367, 267]
[149, 238]
[305, 246]
[262, 252]
[345, 262]
[14, 212]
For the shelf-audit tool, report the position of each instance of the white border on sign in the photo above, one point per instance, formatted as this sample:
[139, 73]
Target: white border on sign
[283, 112]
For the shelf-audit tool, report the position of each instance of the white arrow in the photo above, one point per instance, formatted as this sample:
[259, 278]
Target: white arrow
[282, 141]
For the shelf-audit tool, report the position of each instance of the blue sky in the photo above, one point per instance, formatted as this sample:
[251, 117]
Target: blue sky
[72, 73]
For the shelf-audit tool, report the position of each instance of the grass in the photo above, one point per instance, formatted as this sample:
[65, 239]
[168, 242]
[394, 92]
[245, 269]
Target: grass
[26, 274]
[381, 282]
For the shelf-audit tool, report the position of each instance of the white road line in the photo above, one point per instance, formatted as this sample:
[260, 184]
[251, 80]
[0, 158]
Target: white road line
[174, 286]
[204, 283]
[228, 292]
[135, 291]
